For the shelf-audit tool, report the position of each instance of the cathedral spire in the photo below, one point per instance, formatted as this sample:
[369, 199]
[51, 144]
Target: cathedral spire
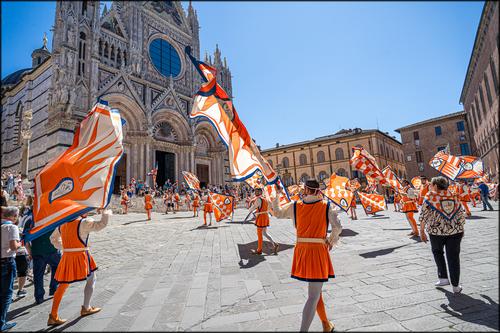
[105, 10]
[217, 55]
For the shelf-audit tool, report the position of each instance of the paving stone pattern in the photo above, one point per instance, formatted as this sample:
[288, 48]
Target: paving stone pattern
[172, 274]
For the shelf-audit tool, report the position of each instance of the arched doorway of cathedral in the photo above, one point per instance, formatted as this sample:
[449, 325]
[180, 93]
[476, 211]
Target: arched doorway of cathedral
[172, 146]
[208, 164]
[133, 129]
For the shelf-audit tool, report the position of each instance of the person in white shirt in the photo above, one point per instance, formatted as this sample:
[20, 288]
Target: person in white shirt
[10, 244]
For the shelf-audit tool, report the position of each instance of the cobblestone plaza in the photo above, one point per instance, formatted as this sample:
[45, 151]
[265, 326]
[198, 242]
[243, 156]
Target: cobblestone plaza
[173, 274]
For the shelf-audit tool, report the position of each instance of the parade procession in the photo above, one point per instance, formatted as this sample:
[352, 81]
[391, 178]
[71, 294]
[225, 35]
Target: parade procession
[135, 191]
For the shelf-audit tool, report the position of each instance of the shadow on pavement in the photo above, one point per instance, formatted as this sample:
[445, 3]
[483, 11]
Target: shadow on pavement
[377, 217]
[245, 251]
[396, 229]
[20, 311]
[66, 325]
[145, 220]
[475, 217]
[240, 222]
[460, 303]
[381, 252]
[205, 227]
[348, 233]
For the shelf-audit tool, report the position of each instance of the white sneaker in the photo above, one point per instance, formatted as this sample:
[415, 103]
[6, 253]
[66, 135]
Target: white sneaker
[457, 290]
[442, 282]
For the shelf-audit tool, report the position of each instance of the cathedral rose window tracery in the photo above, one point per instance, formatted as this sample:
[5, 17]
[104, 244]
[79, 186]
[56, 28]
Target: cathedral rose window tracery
[164, 58]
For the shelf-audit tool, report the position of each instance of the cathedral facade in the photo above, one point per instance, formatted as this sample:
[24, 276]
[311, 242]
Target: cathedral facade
[131, 56]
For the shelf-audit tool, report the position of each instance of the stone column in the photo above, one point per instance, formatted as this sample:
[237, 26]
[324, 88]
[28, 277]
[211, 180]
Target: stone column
[193, 164]
[26, 137]
[129, 165]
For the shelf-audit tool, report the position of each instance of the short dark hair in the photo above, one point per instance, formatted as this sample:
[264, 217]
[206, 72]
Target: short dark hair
[440, 182]
[312, 184]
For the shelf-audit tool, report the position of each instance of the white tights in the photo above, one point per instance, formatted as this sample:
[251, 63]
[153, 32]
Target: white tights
[314, 293]
[89, 290]
[269, 238]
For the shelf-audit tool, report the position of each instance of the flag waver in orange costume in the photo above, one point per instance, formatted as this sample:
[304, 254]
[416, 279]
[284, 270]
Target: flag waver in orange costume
[261, 208]
[77, 264]
[207, 208]
[124, 199]
[196, 204]
[187, 201]
[464, 196]
[148, 204]
[311, 258]
[408, 198]
[424, 189]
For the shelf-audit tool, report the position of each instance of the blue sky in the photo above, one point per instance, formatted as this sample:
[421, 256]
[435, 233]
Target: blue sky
[306, 69]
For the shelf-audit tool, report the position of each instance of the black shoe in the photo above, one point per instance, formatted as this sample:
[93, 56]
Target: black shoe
[21, 293]
[39, 301]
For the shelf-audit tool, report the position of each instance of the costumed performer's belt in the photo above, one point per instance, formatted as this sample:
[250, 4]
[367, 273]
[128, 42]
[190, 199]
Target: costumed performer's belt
[311, 240]
[260, 213]
[76, 249]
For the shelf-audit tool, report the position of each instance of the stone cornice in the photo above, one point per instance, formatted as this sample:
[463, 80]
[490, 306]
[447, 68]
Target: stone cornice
[488, 9]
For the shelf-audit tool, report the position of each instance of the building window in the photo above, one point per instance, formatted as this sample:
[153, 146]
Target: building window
[302, 159]
[478, 109]
[437, 130]
[494, 74]
[84, 7]
[474, 115]
[81, 53]
[421, 167]
[464, 149]
[441, 148]
[339, 154]
[164, 57]
[419, 156]
[408, 158]
[322, 176]
[415, 135]
[304, 177]
[285, 162]
[320, 157]
[460, 126]
[341, 172]
[481, 98]
[488, 91]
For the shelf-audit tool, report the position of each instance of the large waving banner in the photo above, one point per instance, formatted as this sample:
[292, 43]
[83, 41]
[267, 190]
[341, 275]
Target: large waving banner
[81, 178]
[224, 206]
[362, 160]
[213, 103]
[471, 167]
[271, 190]
[191, 180]
[447, 164]
[392, 179]
[372, 203]
[337, 192]
[256, 181]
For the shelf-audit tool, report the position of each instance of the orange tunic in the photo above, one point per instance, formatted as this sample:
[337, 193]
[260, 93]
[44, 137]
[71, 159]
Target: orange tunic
[208, 205]
[74, 266]
[311, 261]
[409, 205]
[464, 193]
[196, 201]
[124, 199]
[262, 220]
[423, 191]
[148, 202]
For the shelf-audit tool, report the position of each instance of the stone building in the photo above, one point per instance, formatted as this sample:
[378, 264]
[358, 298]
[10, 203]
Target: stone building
[481, 89]
[320, 157]
[422, 140]
[131, 56]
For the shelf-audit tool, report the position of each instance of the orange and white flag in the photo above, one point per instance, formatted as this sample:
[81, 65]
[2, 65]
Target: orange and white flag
[362, 160]
[447, 164]
[337, 192]
[416, 182]
[256, 181]
[81, 178]
[191, 180]
[271, 191]
[372, 203]
[392, 179]
[223, 206]
[213, 103]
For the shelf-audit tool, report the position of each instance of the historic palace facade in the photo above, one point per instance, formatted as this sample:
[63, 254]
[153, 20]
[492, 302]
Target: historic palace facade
[481, 89]
[131, 56]
[319, 158]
